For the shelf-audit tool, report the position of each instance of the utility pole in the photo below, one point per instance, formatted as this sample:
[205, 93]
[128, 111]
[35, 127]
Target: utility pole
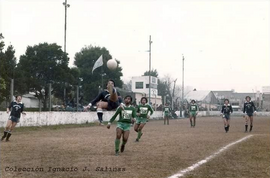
[50, 96]
[182, 101]
[65, 41]
[150, 42]
[173, 92]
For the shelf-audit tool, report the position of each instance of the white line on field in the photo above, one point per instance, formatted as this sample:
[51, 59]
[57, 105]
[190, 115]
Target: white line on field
[198, 164]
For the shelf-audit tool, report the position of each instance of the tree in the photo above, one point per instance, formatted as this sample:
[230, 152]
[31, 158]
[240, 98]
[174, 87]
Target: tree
[85, 60]
[153, 73]
[40, 65]
[7, 66]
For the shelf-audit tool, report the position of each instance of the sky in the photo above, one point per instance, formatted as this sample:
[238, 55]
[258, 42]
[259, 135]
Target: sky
[225, 43]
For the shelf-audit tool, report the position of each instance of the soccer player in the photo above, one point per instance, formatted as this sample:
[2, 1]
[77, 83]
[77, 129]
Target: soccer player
[126, 113]
[166, 113]
[142, 116]
[109, 99]
[16, 108]
[193, 111]
[226, 112]
[249, 110]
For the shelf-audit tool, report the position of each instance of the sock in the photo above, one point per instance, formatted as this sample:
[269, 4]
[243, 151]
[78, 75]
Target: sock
[168, 122]
[100, 115]
[123, 143]
[191, 123]
[228, 127]
[8, 135]
[246, 127]
[139, 134]
[164, 121]
[250, 127]
[194, 122]
[5, 134]
[117, 143]
[225, 127]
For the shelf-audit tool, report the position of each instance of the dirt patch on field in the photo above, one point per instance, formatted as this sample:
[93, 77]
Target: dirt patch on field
[162, 151]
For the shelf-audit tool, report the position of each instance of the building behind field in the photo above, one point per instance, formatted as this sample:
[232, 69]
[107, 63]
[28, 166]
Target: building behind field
[237, 100]
[140, 86]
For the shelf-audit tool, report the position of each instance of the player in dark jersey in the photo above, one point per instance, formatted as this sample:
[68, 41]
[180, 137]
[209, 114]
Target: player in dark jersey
[109, 99]
[142, 116]
[226, 112]
[126, 113]
[193, 111]
[249, 110]
[16, 108]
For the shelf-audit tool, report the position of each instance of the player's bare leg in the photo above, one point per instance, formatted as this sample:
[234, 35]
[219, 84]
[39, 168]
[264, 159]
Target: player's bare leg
[7, 129]
[225, 124]
[100, 106]
[10, 130]
[117, 140]
[228, 125]
[136, 127]
[194, 121]
[167, 120]
[140, 131]
[246, 125]
[113, 93]
[251, 123]
[190, 120]
[125, 139]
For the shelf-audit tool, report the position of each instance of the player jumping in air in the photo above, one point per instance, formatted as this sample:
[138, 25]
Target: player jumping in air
[142, 116]
[166, 113]
[226, 112]
[193, 111]
[109, 99]
[14, 118]
[249, 110]
[127, 114]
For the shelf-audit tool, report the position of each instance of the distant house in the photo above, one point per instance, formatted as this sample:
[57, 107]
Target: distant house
[206, 99]
[30, 101]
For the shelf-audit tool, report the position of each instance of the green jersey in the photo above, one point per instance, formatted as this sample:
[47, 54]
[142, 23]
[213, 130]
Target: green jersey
[193, 108]
[166, 109]
[144, 110]
[125, 115]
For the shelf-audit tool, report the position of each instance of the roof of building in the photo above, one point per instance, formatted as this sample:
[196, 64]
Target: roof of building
[197, 95]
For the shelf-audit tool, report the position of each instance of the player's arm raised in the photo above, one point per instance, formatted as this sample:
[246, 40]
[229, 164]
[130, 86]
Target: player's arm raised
[113, 117]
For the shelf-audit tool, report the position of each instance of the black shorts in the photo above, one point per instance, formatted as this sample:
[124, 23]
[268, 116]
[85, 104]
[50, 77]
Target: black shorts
[226, 116]
[14, 119]
[249, 114]
[112, 105]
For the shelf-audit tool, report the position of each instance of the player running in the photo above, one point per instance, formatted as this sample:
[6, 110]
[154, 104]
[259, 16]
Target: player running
[14, 118]
[109, 99]
[142, 116]
[126, 113]
[166, 113]
[193, 111]
[249, 110]
[226, 112]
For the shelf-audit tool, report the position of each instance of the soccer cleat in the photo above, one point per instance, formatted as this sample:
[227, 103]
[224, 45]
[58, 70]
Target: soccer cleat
[250, 128]
[137, 140]
[8, 135]
[116, 153]
[4, 136]
[101, 124]
[122, 148]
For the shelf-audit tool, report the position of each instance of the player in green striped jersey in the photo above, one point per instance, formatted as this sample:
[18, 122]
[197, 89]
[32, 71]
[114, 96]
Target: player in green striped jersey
[142, 116]
[166, 113]
[193, 111]
[126, 113]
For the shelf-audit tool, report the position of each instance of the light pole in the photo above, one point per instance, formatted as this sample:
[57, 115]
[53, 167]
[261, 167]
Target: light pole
[65, 37]
[150, 42]
[65, 40]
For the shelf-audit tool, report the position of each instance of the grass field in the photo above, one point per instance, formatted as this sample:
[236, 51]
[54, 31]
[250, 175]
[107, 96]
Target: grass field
[87, 151]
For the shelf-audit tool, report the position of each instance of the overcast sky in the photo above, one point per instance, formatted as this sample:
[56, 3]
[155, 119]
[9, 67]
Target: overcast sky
[225, 43]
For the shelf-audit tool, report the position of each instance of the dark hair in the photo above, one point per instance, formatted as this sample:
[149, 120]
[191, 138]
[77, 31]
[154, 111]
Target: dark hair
[128, 96]
[248, 97]
[17, 96]
[111, 80]
[193, 100]
[226, 100]
[145, 99]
